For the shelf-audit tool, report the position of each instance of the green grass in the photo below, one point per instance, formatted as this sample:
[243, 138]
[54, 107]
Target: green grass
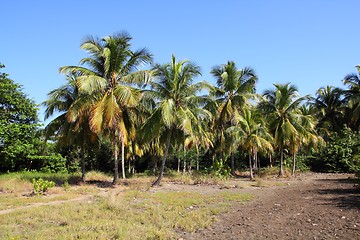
[131, 214]
[27, 176]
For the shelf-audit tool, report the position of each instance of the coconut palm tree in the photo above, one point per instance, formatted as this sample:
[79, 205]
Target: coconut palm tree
[77, 133]
[352, 96]
[330, 109]
[251, 133]
[307, 134]
[233, 88]
[178, 106]
[281, 107]
[106, 84]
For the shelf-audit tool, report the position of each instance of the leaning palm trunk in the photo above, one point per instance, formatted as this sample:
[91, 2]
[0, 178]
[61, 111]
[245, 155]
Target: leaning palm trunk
[158, 180]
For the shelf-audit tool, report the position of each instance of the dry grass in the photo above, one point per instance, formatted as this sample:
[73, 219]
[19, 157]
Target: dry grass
[125, 212]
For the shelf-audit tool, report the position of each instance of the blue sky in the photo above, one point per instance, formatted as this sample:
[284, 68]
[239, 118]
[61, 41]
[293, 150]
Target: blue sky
[308, 43]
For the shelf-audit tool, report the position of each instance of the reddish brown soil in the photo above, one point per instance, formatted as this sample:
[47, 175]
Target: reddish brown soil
[312, 206]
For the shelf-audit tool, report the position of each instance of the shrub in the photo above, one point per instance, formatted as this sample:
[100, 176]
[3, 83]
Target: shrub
[341, 154]
[41, 186]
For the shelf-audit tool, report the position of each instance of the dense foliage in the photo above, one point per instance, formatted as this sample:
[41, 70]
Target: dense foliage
[160, 118]
[18, 125]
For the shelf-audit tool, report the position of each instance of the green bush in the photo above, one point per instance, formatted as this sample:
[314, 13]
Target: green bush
[41, 186]
[341, 154]
[220, 169]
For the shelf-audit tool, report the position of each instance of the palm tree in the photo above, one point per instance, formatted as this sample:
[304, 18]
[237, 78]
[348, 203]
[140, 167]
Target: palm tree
[352, 96]
[281, 107]
[177, 108]
[233, 88]
[77, 133]
[107, 87]
[307, 134]
[251, 133]
[329, 104]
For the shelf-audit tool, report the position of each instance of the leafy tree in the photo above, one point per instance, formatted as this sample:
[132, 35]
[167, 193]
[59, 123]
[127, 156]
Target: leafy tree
[18, 125]
[341, 154]
[177, 108]
[107, 91]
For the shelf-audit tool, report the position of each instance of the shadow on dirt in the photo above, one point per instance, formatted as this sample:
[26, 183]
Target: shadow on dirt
[342, 193]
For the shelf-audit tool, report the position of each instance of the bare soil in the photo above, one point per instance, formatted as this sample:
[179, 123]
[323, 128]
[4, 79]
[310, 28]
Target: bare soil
[310, 206]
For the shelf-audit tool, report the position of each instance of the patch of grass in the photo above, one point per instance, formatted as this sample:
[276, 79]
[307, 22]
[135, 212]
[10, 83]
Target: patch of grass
[98, 176]
[11, 200]
[195, 178]
[122, 214]
[14, 185]
[28, 176]
[270, 172]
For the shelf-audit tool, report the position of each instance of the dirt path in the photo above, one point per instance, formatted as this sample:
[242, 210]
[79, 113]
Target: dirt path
[57, 202]
[316, 206]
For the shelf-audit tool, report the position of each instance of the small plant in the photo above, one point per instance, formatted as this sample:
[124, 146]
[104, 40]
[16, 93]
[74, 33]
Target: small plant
[66, 186]
[41, 186]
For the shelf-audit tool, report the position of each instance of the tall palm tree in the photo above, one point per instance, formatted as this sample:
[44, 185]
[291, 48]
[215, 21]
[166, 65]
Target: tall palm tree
[352, 96]
[330, 105]
[281, 107]
[251, 133]
[106, 83]
[233, 88]
[177, 108]
[77, 133]
[307, 134]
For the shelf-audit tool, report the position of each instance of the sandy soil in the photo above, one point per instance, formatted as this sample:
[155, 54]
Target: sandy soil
[311, 206]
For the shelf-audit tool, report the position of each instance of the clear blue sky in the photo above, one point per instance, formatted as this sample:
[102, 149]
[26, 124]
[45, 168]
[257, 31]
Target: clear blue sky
[310, 43]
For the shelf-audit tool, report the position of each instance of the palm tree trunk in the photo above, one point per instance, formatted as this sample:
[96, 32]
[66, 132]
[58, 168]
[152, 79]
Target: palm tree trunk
[123, 158]
[232, 164]
[281, 172]
[116, 163]
[294, 164]
[197, 161]
[270, 161]
[154, 164]
[184, 168]
[178, 166]
[251, 168]
[83, 170]
[158, 180]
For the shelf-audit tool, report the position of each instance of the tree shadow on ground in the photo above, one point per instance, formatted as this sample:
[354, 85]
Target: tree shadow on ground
[344, 193]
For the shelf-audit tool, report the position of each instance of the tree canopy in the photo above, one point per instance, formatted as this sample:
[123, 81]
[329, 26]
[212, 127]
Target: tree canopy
[18, 125]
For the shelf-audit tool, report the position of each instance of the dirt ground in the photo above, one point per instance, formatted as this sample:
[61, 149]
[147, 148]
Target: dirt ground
[311, 206]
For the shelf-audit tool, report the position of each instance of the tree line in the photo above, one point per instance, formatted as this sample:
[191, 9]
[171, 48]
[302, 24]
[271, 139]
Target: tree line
[110, 109]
